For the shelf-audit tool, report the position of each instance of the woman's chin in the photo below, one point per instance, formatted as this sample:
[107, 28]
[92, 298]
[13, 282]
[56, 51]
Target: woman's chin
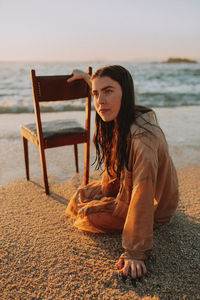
[106, 118]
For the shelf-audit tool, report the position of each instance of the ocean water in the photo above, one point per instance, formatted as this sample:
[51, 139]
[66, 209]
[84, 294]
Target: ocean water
[156, 84]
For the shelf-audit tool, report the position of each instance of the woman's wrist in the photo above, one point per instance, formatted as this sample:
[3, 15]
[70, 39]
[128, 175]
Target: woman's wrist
[87, 79]
[79, 74]
[134, 256]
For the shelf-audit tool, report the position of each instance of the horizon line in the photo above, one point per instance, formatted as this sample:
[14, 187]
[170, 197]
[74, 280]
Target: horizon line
[95, 60]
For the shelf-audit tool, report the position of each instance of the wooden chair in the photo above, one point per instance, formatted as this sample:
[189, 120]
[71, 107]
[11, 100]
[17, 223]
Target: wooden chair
[61, 132]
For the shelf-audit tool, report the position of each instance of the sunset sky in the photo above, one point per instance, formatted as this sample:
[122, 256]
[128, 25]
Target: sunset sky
[69, 30]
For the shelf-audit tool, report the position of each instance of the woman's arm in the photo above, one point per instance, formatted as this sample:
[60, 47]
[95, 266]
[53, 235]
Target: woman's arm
[137, 236]
[78, 74]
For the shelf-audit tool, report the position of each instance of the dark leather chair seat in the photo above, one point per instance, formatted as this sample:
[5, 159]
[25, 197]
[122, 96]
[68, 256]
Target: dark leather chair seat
[56, 128]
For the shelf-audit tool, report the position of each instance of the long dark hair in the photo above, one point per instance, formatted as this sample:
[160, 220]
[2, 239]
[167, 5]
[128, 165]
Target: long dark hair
[113, 135]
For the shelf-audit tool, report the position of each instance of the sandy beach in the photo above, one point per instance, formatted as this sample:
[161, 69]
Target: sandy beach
[42, 256]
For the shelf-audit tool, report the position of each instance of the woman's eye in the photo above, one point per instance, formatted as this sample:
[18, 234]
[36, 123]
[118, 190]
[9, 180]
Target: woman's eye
[108, 92]
[95, 94]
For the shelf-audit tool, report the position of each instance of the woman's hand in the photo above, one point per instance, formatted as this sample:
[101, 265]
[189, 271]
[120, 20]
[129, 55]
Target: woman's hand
[78, 74]
[136, 267]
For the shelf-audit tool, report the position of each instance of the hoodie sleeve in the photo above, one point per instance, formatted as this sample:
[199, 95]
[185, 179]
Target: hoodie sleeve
[137, 236]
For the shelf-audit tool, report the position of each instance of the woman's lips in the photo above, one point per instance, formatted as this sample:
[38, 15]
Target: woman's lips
[103, 110]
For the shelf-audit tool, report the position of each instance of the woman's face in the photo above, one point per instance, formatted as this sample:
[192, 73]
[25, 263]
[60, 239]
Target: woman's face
[107, 94]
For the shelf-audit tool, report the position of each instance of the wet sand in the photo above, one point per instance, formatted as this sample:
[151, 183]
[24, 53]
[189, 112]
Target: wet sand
[181, 127]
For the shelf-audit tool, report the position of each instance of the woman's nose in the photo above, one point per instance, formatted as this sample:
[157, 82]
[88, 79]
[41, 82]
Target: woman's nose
[101, 99]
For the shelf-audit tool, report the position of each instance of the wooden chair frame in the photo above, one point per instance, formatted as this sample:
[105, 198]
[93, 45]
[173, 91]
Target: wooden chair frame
[56, 88]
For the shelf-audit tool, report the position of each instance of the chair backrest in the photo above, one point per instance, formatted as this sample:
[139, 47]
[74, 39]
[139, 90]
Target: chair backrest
[56, 88]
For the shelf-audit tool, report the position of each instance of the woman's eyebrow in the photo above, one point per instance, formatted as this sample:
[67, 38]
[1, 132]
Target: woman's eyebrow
[105, 88]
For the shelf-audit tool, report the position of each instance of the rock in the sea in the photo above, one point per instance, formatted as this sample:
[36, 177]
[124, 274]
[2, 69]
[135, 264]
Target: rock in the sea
[173, 60]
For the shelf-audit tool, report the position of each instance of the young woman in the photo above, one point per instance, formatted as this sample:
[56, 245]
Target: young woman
[139, 187]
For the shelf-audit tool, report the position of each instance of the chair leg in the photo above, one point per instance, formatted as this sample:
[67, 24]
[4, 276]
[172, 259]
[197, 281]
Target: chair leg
[44, 170]
[87, 162]
[76, 157]
[25, 145]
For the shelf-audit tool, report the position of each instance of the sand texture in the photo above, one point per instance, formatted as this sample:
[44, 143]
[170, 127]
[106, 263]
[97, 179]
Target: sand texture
[42, 256]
